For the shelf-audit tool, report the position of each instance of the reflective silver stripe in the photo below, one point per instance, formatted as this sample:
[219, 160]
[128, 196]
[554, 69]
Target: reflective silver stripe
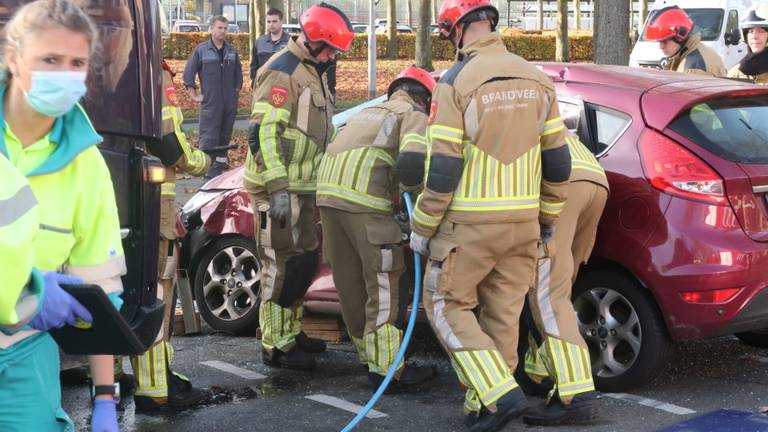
[384, 299]
[15, 207]
[106, 270]
[495, 203]
[55, 229]
[125, 232]
[441, 323]
[543, 296]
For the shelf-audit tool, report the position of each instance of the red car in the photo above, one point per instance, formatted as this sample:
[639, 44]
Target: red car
[680, 248]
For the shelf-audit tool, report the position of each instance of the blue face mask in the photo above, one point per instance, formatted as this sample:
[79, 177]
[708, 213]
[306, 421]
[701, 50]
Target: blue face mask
[54, 93]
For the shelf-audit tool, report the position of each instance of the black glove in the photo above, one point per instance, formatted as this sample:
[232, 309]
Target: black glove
[547, 232]
[219, 151]
[280, 207]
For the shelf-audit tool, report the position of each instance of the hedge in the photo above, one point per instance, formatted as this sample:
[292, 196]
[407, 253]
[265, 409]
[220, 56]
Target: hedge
[531, 46]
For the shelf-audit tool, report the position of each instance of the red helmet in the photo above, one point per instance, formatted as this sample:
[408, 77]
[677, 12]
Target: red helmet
[669, 23]
[455, 11]
[413, 73]
[327, 24]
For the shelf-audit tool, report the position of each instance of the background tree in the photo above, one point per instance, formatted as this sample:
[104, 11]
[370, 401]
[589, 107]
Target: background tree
[577, 14]
[610, 43]
[435, 11]
[540, 13]
[423, 35]
[409, 12]
[392, 29]
[561, 39]
[643, 13]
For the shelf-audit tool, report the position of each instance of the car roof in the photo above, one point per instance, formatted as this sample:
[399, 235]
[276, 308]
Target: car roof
[664, 94]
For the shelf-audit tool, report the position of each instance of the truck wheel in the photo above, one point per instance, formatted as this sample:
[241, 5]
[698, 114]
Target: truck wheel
[623, 328]
[757, 338]
[227, 285]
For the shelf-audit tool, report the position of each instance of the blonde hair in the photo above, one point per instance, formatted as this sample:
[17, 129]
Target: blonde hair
[45, 14]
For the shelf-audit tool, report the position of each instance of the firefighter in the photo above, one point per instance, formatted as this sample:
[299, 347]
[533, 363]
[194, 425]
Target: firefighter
[157, 386]
[497, 175]
[362, 242]
[48, 137]
[290, 128]
[560, 352]
[754, 28]
[684, 51]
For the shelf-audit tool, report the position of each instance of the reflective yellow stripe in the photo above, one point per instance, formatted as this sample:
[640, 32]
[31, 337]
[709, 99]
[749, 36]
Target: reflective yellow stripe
[551, 208]
[553, 130]
[446, 133]
[422, 218]
[347, 175]
[581, 157]
[412, 138]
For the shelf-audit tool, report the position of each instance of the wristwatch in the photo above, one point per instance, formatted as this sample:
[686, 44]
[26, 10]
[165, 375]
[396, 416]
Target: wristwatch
[112, 390]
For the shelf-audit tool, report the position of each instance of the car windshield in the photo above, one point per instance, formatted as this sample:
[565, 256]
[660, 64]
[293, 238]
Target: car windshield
[708, 22]
[734, 128]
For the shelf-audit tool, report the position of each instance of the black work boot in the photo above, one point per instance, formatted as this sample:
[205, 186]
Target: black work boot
[411, 378]
[581, 410]
[309, 344]
[294, 358]
[181, 394]
[509, 406]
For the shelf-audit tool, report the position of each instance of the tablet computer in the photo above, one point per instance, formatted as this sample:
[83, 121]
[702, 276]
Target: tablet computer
[109, 333]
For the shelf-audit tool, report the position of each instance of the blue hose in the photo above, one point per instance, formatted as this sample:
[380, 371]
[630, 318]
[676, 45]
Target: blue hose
[406, 338]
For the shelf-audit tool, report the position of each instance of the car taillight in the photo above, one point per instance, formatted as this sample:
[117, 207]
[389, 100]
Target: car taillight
[673, 169]
[714, 296]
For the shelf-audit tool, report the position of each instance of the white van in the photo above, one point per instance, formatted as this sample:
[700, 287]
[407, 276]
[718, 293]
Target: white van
[717, 21]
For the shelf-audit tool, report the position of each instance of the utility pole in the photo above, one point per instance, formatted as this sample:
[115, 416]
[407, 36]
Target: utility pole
[577, 14]
[371, 49]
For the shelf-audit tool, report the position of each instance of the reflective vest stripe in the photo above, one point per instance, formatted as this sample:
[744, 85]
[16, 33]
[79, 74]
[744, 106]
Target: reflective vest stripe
[347, 175]
[446, 133]
[424, 219]
[489, 185]
[13, 208]
[168, 189]
[553, 126]
[581, 157]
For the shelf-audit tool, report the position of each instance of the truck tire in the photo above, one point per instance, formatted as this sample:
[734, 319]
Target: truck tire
[227, 285]
[623, 328]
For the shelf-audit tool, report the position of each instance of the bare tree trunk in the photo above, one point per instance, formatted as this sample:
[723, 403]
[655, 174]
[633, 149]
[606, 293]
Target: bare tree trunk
[577, 14]
[288, 11]
[610, 44]
[258, 14]
[409, 11]
[561, 40]
[540, 14]
[435, 11]
[643, 13]
[392, 29]
[423, 35]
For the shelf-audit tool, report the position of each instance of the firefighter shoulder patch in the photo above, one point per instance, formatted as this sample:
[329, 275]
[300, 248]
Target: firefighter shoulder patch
[279, 96]
[432, 112]
[170, 94]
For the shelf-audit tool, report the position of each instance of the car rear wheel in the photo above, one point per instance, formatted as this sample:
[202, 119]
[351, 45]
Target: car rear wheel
[623, 328]
[227, 285]
[757, 338]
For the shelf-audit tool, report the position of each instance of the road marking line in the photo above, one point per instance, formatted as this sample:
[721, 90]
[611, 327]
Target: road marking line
[670, 408]
[226, 367]
[344, 405]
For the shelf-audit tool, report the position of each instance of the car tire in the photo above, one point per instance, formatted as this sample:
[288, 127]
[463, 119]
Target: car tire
[757, 338]
[630, 346]
[227, 285]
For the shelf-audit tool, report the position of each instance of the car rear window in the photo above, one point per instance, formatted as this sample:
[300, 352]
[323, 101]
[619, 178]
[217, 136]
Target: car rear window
[736, 128]
[708, 22]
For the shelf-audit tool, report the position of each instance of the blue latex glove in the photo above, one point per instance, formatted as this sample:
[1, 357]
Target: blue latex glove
[419, 244]
[104, 418]
[59, 308]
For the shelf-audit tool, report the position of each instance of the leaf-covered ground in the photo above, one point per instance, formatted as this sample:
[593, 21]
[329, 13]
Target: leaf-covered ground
[351, 89]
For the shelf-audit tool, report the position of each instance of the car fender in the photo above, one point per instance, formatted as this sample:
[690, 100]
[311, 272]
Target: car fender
[230, 213]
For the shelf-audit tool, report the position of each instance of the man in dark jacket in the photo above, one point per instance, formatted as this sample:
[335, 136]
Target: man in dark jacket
[267, 44]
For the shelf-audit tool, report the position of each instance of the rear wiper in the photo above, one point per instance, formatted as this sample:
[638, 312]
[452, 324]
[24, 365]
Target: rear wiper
[745, 123]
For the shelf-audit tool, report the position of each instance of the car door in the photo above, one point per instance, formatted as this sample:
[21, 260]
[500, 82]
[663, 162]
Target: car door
[735, 47]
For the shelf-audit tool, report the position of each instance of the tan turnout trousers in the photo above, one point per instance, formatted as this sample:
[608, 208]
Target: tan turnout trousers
[288, 257]
[562, 354]
[485, 265]
[366, 254]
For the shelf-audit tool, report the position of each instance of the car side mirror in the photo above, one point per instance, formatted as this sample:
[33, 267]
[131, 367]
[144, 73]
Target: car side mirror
[733, 38]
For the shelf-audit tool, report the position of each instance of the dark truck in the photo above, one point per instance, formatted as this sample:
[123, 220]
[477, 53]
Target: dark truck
[124, 104]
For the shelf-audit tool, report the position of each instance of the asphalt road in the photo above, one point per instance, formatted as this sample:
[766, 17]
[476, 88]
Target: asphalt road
[701, 377]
